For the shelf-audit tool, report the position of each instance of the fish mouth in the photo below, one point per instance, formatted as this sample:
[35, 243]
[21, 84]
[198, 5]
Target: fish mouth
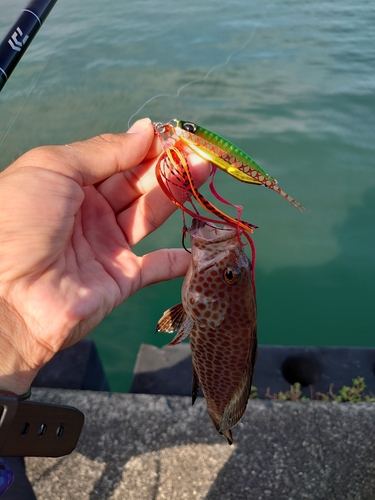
[209, 231]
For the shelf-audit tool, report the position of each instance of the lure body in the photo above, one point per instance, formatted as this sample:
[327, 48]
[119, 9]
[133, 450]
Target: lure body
[221, 152]
[224, 155]
[218, 312]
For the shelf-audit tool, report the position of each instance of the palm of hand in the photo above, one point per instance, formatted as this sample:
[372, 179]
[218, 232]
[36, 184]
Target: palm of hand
[68, 226]
[69, 263]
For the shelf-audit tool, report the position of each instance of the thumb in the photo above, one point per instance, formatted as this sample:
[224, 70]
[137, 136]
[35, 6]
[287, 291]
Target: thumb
[96, 159]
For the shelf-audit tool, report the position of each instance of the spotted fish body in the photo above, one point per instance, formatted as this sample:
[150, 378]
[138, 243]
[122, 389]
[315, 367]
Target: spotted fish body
[218, 311]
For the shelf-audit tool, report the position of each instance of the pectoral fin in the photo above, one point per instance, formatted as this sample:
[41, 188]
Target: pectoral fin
[183, 332]
[172, 319]
[175, 320]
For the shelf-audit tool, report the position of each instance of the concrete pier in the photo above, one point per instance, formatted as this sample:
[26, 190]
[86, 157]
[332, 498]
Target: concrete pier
[153, 445]
[149, 447]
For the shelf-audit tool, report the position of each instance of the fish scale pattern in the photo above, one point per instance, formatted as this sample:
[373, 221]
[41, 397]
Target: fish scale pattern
[223, 338]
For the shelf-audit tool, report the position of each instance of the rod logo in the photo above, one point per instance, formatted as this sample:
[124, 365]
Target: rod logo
[15, 43]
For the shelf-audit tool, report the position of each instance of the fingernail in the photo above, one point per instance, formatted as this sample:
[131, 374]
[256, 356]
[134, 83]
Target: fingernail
[139, 125]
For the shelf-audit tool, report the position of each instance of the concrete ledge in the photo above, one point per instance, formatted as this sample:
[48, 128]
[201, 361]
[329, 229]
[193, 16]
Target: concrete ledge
[147, 447]
[167, 370]
[77, 367]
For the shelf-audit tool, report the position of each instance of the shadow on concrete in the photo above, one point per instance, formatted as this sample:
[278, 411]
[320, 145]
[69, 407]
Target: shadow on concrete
[159, 447]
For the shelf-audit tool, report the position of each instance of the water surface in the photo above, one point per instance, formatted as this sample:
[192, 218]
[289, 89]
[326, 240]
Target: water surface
[299, 98]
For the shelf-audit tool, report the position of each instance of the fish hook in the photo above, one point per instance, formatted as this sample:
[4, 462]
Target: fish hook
[184, 231]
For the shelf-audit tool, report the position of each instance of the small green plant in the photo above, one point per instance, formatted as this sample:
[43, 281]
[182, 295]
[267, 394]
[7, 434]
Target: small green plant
[355, 393]
[347, 394]
[254, 393]
[293, 394]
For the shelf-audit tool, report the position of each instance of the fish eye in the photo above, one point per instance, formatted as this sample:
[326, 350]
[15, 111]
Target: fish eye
[189, 127]
[232, 275]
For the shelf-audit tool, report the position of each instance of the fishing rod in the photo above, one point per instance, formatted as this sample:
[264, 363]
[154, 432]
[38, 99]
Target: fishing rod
[21, 34]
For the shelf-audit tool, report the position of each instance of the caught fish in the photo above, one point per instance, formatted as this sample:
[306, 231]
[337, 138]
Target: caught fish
[218, 312]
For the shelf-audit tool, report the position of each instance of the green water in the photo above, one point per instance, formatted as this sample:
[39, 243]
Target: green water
[299, 99]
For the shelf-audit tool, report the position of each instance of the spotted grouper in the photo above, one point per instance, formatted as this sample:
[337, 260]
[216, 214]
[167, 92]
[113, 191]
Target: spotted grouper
[218, 311]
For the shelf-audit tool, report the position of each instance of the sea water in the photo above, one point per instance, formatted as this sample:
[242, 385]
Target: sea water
[299, 99]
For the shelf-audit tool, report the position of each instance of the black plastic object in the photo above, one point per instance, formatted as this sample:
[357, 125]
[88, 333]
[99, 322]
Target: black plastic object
[21, 34]
[30, 429]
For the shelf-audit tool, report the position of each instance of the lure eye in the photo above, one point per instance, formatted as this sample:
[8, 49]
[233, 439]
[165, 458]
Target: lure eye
[189, 127]
[232, 275]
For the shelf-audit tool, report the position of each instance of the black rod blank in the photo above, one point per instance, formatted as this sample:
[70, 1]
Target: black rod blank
[21, 34]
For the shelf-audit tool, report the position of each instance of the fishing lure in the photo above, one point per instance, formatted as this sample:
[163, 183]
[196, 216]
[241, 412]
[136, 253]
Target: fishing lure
[172, 163]
[173, 173]
[224, 155]
[177, 166]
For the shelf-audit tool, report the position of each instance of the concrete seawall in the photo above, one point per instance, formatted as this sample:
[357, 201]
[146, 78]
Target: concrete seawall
[149, 447]
[153, 445]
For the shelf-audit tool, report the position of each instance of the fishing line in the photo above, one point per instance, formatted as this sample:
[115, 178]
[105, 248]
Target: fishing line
[211, 70]
[28, 94]
[17, 41]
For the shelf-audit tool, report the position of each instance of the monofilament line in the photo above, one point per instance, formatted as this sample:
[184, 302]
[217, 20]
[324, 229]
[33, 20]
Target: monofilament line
[27, 96]
[199, 80]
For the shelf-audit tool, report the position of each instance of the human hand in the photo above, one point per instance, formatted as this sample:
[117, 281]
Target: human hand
[69, 216]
